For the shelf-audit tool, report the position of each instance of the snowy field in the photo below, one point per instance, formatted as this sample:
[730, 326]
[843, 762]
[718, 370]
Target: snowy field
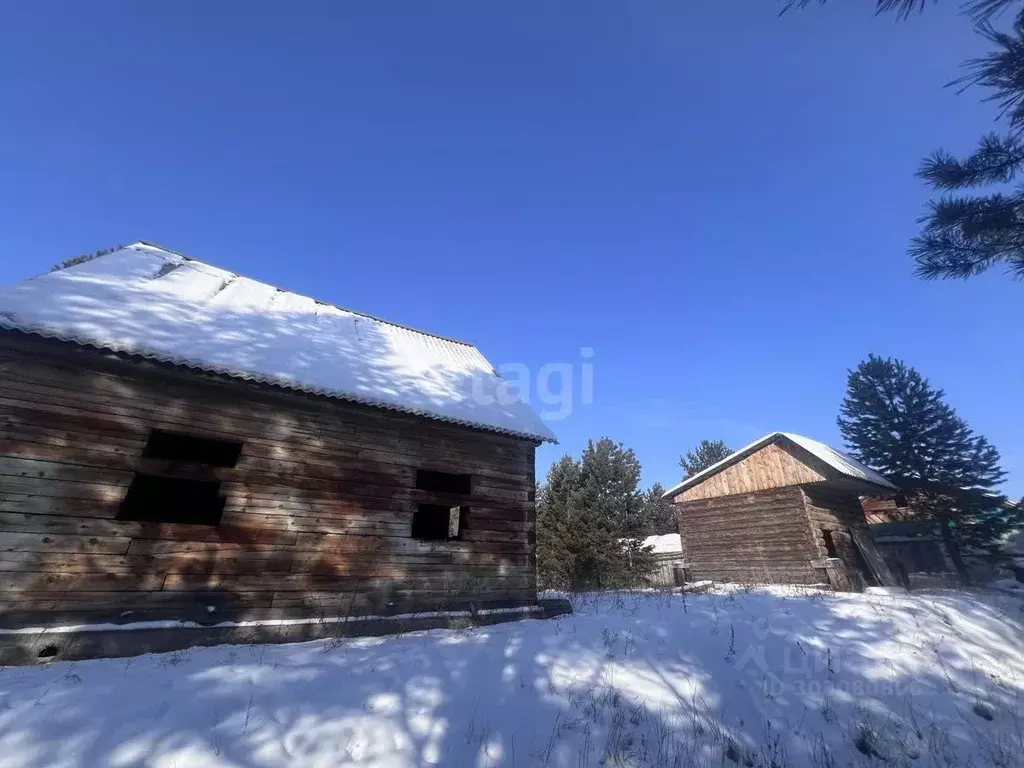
[737, 677]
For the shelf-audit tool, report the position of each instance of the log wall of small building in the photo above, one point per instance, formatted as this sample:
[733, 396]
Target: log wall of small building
[755, 538]
[837, 513]
[318, 511]
[831, 509]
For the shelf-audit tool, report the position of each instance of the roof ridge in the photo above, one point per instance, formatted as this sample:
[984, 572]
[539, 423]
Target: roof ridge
[367, 315]
[771, 437]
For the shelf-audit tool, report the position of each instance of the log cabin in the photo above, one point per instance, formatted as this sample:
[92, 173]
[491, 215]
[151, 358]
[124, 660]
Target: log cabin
[179, 441]
[786, 510]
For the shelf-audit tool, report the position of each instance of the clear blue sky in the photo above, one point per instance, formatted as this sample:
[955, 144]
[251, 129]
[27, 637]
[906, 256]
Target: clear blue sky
[715, 199]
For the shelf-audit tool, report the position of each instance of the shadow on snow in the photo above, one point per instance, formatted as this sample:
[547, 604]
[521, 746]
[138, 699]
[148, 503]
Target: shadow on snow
[744, 677]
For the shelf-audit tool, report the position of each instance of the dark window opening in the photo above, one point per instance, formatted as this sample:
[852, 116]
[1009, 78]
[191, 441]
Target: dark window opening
[900, 500]
[442, 482]
[830, 544]
[437, 522]
[175, 446]
[48, 651]
[157, 499]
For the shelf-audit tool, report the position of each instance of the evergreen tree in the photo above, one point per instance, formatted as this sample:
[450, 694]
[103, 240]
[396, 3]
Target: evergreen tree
[555, 523]
[966, 234]
[74, 260]
[894, 421]
[659, 514]
[608, 487]
[707, 453]
[608, 493]
[590, 521]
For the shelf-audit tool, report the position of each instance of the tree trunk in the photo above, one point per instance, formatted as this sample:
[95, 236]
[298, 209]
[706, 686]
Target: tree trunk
[954, 551]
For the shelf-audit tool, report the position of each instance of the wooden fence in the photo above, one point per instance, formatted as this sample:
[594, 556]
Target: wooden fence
[668, 570]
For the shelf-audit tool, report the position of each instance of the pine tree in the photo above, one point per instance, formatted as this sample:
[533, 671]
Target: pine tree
[590, 521]
[609, 483]
[894, 421]
[966, 234]
[659, 514]
[609, 494]
[555, 534]
[75, 260]
[707, 453]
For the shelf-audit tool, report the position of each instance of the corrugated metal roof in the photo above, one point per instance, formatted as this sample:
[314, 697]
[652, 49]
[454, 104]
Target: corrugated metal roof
[148, 301]
[843, 463]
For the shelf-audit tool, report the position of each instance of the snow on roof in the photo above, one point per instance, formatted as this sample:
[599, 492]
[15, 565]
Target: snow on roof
[668, 542]
[839, 461]
[148, 301]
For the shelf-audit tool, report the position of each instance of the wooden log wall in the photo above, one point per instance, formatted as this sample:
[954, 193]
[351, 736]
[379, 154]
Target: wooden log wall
[318, 511]
[832, 509]
[839, 513]
[749, 538]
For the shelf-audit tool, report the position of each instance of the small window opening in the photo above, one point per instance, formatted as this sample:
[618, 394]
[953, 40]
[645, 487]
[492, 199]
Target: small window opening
[436, 522]
[158, 499]
[830, 543]
[175, 446]
[48, 651]
[443, 482]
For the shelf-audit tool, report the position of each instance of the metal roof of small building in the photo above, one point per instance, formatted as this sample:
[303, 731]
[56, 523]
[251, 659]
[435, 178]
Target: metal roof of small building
[664, 543]
[837, 460]
[148, 301]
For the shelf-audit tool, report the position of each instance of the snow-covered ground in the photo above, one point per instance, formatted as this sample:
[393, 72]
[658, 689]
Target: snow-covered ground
[734, 677]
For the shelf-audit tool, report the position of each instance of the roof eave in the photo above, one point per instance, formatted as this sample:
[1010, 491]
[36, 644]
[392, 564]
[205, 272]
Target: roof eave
[8, 324]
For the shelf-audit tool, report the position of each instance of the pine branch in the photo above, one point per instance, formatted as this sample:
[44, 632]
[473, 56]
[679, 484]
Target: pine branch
[997, 160]
[982, 10]
[903, 8]
[1002, 71]
[962, 237]
[978, 10]
[946, 258]
[976, 216]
